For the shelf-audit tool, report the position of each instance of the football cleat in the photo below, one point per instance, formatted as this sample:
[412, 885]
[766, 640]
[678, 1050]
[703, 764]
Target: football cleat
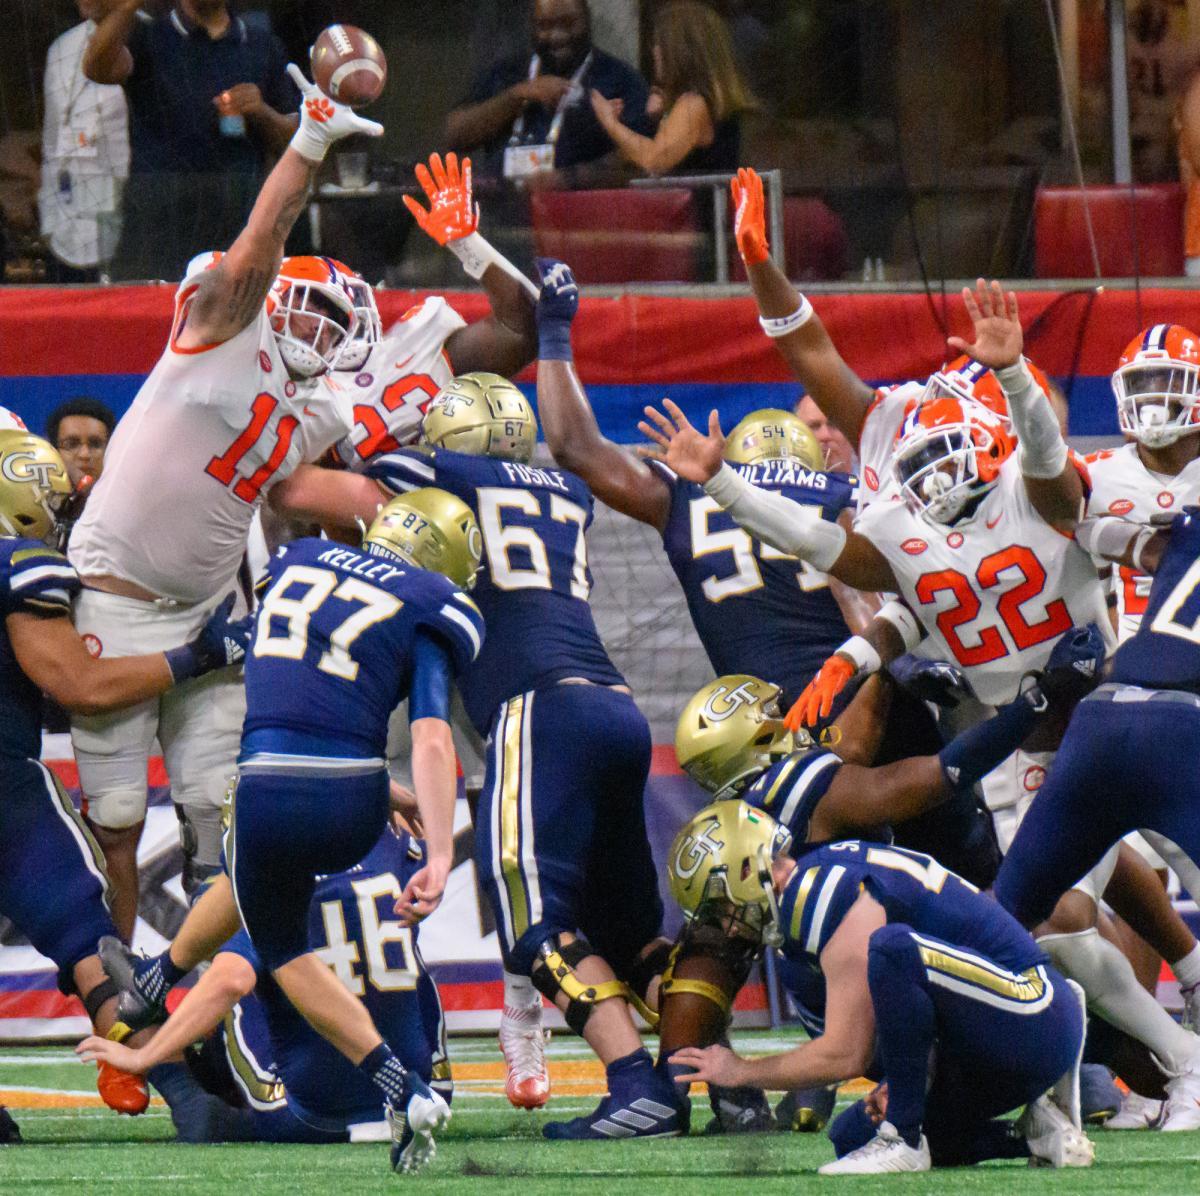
[527, 1084]
[122, 1090]
[886, 1152]
[1181, 1110]
[413, 1125]
[1099, 1097]
[143, 997]
[639, 1110]
[1053, 1138]
[10, 1132]
[738, 1111]
[1137, 1113]
[807, 1110]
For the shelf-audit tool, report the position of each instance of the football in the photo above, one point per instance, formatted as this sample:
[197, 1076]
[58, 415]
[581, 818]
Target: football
[348, 65]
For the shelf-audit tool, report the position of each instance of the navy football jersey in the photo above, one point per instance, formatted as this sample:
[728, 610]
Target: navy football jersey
[34, 580]
[332, 650]
[912, 888]
[534, 587]
[1165, 652]
[352, 927]
[755, 609]
[790, 789]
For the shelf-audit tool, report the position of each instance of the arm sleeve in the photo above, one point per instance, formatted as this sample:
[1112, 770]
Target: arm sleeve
[429, 694]
[1042, 448]
[969, 757]
[41, 582]
[401, 472]
[798, 531]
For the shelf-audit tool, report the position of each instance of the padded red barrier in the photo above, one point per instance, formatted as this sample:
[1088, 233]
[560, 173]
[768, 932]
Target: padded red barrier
[619, 236]
[1139, 231]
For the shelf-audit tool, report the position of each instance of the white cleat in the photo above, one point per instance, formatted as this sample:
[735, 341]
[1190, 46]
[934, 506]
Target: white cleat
[522, 1041]
[886, 1152]
[1181, 1110]
[1053, 1138]
[1137, 1113]
[412, 1129]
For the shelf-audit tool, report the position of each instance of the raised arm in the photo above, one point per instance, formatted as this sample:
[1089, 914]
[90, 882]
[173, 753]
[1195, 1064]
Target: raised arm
[789, 319]
[474, 124]
[686, 126]
[504, 342]
[616, 476]
[231, 294]
[1053, 483]
[106, 58]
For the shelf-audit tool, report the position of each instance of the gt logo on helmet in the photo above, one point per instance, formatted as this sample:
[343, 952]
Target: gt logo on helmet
[25, 467]
[693, 849]
[724, 702]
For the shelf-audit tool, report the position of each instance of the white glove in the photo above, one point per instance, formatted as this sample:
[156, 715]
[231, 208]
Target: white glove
[324, 121]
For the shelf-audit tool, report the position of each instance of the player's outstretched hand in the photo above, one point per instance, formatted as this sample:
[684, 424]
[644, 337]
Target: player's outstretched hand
[712, 1065]
[559, 298]
[749, 216]
[934, 681]
[95, 1049]
[998, 335]
[1073, 669]
[682, 448]
[816, 702]
[324, 121]
[423, 893]
[453, 213]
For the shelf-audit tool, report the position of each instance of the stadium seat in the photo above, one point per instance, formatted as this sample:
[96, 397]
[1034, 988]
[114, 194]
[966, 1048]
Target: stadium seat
[816, 246]
[1153, 211]
[619, 236]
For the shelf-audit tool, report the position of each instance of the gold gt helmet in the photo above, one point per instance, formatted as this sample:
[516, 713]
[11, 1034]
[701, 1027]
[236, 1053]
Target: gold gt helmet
[431, 529]
[731, 731]
[34, 486]
[719, 868]
[771, 435]
[484, 415]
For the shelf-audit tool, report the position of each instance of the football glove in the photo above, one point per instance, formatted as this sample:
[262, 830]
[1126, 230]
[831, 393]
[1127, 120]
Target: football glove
[930, 680]
[222, 642]
[749, 216]
[1073, 670]
[323, 121]
[816, 702]
[556, 308]
[452, 213]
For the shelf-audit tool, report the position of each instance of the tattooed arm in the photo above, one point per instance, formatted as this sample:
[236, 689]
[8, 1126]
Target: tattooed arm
[232, 293]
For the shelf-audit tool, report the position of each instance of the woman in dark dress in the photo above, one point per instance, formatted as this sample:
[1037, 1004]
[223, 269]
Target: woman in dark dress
[703, 97]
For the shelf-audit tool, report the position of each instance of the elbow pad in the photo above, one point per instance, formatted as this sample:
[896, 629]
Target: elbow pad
[1042, 448]
[785, 525]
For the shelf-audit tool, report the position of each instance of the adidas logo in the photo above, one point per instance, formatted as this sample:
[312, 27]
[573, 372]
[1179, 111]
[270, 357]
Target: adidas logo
[641, 1115]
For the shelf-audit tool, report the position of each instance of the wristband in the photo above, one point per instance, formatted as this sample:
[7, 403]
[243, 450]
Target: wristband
[862, 654]
[476, 254]
[903, 621]
[1144, 536]
[776, 328]
[554, 340]
[184, 662]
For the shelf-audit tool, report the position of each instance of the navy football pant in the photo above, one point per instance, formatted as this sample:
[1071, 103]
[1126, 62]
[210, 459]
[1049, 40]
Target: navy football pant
[560, 830]
[288, 828]
[1124, 765]
[53, 886]
[999, 1039]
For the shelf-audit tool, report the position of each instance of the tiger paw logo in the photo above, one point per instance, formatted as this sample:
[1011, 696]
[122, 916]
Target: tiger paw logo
[320, 109]
[1033, 778]
[93, 645]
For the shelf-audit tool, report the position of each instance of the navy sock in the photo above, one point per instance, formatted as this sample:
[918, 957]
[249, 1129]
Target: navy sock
[198, 1115]
[382, 1068]
[904, 1023]
[623, 1072]
[156, 977]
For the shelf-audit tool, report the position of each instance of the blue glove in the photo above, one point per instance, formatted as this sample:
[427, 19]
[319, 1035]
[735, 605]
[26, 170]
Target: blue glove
[930, 680]
[222, 642]
[556, 308]
[1073, 669]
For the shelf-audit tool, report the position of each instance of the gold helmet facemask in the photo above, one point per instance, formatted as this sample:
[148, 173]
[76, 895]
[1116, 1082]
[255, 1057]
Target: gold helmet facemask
[772, 435]
[34, 486]
[483, 415]
[730, 732]
[719, 869]
[432, 529]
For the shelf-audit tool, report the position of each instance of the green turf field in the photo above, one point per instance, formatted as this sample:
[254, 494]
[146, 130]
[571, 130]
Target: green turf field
[491, 1148]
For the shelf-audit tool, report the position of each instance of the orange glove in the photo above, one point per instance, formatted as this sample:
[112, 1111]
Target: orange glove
[816, 702]
[452, 215]
[749, 218]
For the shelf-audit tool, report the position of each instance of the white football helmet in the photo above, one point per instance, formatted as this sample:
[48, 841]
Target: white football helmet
[369, 332]
[311, 314]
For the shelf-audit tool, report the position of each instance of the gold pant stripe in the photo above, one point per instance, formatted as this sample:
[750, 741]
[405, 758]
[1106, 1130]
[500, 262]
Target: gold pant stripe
[510, 814]
[1027, 986]
[260, 1089]
[806, 883]
[78, 828]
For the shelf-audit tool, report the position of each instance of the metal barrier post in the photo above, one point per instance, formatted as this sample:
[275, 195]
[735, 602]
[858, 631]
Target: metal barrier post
[775, 187]
[721, 245]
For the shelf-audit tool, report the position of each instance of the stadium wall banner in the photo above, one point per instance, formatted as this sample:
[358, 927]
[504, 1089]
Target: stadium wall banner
[631, 349]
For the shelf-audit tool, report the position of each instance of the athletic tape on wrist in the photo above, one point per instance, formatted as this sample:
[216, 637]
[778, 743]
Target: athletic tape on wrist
[781, 326]
[864, 655]
[309, 143]
[904, 621]
[1144, 536]
[476, 253]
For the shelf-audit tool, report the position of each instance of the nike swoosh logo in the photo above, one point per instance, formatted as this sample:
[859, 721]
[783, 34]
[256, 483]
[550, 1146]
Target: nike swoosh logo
[401, 364]
[991, 523]
[309, 412]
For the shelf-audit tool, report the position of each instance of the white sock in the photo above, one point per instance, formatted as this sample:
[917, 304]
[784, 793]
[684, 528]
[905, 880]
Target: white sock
[1113, 991]
[1178, 861]
[519, 992]
[1187, 969]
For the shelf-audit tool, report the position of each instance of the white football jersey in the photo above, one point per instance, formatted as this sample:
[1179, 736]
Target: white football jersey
[391, 392]
[877, 440]
[1122, 485]
[10, 421]
[995, 591]
[210, 431]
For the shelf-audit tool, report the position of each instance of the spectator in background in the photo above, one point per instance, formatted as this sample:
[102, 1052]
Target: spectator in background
[85, 158]
[838, 451]
[1187, 143]
[207, 92]
[80, 429]
[703, 97]
[530, 114]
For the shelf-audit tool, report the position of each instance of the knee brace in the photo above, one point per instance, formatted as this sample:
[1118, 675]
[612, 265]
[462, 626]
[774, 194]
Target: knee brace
[554, 973]
[116, 809]
[94, 998]
[643, 971]
[673, 985]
